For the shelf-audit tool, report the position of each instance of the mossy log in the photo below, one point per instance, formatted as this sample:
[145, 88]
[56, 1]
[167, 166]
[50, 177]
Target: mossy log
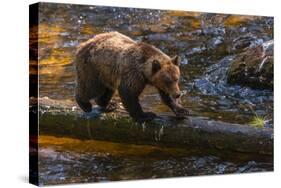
[62, 118]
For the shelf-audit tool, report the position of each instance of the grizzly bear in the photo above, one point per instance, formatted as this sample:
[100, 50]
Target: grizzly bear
[112, 61]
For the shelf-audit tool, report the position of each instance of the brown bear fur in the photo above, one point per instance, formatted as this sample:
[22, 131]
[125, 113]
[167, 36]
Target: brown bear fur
[112, 61]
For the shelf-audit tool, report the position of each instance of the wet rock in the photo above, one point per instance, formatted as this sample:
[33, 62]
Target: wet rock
[230, 97]
[206, 87]
[254, 67]
[211, 24]
[214, 31]
[184, 60]
[196, 50]
[217, 72]
[214, 42]
[246, 41]
[196, 32]
[160, 37]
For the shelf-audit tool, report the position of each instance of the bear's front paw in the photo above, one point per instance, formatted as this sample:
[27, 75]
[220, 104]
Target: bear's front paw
[147, 116]
[181, 112]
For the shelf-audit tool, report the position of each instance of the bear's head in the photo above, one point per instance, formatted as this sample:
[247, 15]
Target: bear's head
[165, 76]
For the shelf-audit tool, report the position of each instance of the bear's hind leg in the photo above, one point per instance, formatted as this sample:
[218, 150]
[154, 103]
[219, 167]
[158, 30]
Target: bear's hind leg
[85, 106]
[104, 101]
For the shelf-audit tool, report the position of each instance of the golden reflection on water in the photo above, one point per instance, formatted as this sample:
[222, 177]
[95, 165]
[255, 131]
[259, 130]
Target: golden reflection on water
[115, 149]
[235, 20]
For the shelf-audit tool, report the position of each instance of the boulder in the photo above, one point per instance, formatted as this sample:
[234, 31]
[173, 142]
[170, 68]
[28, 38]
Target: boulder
[253, 67]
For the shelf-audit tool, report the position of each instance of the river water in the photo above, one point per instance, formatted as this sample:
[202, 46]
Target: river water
[67, 160]
[203, 41]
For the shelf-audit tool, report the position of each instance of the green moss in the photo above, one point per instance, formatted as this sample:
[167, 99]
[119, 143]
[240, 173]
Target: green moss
[258, 122]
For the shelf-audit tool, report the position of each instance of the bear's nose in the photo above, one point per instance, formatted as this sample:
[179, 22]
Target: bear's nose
[176, 96]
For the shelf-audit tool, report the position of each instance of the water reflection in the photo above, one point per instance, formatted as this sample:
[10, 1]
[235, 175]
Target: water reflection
[64, 160]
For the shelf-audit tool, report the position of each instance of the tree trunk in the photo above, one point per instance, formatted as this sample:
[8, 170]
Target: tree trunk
[62, 118]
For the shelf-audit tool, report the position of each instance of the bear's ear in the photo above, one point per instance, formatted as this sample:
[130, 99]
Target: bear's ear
[155, 66]
[176, 60]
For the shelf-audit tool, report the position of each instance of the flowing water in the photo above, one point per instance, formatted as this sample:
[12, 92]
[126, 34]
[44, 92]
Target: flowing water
[66, 160]
[206, 44]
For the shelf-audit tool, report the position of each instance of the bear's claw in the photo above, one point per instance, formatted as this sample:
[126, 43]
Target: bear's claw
[182, 112]
[110, 107]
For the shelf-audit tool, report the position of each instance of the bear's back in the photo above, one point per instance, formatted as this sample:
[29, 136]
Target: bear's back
[115, 39]
[103, 54]
[111, 55]
[112, 41]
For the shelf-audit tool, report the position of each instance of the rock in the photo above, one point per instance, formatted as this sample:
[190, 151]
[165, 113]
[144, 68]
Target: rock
[254, 67]
[214, 31]
[246, 41]
[215, 42]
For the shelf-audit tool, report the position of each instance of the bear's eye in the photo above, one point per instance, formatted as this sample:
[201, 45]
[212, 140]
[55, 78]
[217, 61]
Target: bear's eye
[168, 81]
[175, 79]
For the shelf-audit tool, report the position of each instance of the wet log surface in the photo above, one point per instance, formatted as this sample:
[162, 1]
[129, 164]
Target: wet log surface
[63, 118]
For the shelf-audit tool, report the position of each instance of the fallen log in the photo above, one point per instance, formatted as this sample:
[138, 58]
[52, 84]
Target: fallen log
[63, 118]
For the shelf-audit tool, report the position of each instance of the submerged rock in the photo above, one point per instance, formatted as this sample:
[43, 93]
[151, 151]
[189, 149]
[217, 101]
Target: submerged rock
[254, 67]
